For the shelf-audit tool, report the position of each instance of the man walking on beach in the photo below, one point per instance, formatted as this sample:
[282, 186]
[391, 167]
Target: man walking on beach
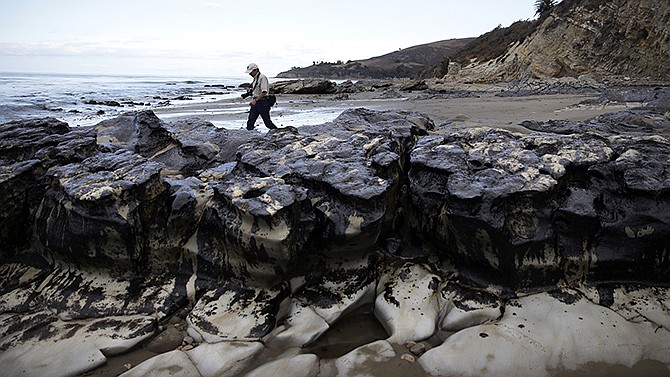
[260, 104]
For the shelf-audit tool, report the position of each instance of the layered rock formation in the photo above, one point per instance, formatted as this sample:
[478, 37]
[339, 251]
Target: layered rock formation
[265, 242]
[304, 86]
[604, 39]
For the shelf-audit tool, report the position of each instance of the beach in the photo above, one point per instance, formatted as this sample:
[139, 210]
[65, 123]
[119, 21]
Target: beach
[483, 107]
[85, 100]
[488, 197]
[452, 105]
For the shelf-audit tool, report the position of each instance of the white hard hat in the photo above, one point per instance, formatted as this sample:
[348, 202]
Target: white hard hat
[251, 67]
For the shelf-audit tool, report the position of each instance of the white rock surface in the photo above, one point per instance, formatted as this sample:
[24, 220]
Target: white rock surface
[339, 290]
[71, 347]
[353, 362]
[296, 366]
[57, 290]
[459, 319]
[300, 328]
[225, 359]
[173, 363]
[649, 309]
[540, 333]
[348, 303]
[462, 307]
[235, 313]
[407, 304]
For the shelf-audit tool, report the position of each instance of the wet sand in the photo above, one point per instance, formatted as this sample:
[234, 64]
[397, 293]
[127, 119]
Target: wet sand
[484, 108]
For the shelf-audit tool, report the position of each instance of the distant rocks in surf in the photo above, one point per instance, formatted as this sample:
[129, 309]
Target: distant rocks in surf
[307, 86]
[437, 88]
[83, 100]
[222, 86]
[103, 103]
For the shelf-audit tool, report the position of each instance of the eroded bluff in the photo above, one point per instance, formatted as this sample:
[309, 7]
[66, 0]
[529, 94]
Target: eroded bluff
[269, 239]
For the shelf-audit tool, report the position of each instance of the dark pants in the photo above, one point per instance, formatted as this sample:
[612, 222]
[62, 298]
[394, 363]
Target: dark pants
[261, 108]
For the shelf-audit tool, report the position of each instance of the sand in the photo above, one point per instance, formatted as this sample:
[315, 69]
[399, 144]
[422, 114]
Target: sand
[485, 108]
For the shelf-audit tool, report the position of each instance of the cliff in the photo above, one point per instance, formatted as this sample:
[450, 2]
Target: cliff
[607, 40]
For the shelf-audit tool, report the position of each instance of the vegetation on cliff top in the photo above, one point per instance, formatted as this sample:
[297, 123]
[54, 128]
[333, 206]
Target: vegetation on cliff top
[404, 63]
[569, 38]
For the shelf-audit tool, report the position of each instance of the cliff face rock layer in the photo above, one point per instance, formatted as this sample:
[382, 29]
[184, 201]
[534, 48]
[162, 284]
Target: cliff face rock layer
[605, 39]
[264, 242]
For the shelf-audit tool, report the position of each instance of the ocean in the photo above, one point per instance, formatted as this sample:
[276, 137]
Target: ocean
[82, 100]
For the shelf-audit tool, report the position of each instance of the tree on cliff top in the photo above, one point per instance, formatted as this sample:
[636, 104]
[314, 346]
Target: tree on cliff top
[543, 6]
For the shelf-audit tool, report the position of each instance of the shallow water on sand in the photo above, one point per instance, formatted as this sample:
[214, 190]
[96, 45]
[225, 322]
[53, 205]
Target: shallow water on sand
[352, 331]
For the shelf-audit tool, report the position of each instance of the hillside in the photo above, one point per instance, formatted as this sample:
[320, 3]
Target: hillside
[405, 63]
[615, 39]
[606, 40]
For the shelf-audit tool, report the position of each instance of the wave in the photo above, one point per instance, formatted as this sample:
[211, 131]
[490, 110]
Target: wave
[67, 96]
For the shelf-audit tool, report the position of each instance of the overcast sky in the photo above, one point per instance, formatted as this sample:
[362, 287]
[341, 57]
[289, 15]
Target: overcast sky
[219, 37]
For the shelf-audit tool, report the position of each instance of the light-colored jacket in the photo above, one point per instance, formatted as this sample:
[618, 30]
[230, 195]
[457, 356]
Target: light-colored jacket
[260, 84]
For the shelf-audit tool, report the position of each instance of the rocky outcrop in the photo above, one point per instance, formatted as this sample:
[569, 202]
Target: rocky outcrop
[265, 242]
[185, 146]
[606, 40]
[303, 86]
[389, 88]
[548, 206]
[27, 150]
